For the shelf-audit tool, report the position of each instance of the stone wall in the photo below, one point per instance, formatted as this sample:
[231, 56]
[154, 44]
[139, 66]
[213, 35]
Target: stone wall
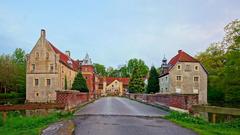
[181, 101]
[71, 98]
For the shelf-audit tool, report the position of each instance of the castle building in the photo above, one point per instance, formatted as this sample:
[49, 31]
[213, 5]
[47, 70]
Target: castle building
[183, 75]
[113, 86]
[49, 69]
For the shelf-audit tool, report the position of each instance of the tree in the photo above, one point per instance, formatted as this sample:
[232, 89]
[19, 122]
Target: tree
[153, 82]
[65, 84]
[79, 83]
[222, 61]
[100, 69]
[136, 83]
[137, 63]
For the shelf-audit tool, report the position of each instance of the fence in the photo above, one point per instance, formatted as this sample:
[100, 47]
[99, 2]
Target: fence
[214, 110]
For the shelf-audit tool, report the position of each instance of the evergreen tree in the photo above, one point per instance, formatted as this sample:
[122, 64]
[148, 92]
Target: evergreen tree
[153, 82]
[65, 86]
[80, 83]
[136, 84]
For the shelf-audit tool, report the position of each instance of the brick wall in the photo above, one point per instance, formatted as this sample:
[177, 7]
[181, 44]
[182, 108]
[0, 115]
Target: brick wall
[71, 98]
[181, 101]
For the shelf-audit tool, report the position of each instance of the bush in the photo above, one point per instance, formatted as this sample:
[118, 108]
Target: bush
[12, 95]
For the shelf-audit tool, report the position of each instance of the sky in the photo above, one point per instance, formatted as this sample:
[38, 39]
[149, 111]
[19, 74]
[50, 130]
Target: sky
[114, 31]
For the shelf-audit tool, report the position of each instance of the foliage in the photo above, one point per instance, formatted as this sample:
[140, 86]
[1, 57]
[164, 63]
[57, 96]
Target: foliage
[123, 70]
[203, 127]
[18, 124]
[80, 83]
[100, 69]
[13, 72]
[136, 84]
[65, 84]
[222, 61]
[153, 81]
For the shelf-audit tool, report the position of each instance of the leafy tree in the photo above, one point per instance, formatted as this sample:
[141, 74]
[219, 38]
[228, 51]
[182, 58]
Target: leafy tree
[79, 83]
[153, 82]
[100, 69]
[65, 84]
[222, 61]
[136, 83]
[137, 63]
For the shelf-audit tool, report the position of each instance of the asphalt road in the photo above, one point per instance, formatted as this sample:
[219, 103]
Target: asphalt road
[121, 116]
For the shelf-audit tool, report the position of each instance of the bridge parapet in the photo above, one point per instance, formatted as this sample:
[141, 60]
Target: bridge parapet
[71, 98]
[178, 101]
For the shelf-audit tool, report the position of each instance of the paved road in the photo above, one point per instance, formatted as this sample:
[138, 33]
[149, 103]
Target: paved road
[121, 116]
[120, 106]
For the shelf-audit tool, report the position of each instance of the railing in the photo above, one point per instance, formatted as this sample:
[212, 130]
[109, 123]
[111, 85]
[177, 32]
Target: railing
[216, 110]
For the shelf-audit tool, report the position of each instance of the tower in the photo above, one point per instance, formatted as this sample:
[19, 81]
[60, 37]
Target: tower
[87, 70]
[164, 66]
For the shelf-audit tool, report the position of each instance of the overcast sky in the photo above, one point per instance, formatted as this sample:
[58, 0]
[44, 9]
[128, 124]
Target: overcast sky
[113, 31]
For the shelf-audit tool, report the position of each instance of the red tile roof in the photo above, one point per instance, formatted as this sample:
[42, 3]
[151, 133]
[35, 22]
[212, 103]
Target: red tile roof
[181, 57]
[64, 58]
[109, 80]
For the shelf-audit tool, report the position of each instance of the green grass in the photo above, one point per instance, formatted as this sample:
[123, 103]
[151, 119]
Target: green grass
[203, 127]
[17, 124]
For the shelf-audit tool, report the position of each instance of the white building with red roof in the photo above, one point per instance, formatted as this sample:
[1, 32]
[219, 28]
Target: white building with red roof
[184, 75]
[113, 85]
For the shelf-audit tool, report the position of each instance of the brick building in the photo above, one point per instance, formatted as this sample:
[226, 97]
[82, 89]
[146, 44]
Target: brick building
[184, 75]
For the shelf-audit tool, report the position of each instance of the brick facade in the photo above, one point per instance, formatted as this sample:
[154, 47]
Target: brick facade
[71, 98]
[181, 101]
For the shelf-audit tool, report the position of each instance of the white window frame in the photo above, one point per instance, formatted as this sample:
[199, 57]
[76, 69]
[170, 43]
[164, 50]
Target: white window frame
[198, 79]
[180, 77]
[195, 67]
[179, 65]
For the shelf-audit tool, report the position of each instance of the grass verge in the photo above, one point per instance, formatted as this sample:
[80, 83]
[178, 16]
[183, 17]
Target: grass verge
[17, 124]
[203, 127]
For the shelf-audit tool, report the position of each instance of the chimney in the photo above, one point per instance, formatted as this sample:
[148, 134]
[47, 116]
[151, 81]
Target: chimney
[68, 53]
[179, 51]
[43, 33]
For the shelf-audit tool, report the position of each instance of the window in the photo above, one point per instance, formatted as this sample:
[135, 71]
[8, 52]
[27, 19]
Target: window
[179, 67]
[51, 67]
[36, 82]
[196, 79]
[37, 94]
[166, 78]
[179, 78]
[188, 68]
[48, 82]
[195, 91]
[47, 55]
[62, 70]
[86, 77]
[166, 89]
[33, 67]
[37, 55]
[178, 90]
[196, 68]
